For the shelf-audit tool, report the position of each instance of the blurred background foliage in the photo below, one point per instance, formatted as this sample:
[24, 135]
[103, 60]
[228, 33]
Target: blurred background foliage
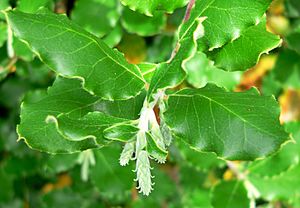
[32, 179]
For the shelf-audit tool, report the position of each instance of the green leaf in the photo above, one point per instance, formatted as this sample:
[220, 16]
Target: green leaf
[236, 56]
[147, 70]
[127, 109]
[63, 198]
[15, 203]
[284, 186]
[4, 4]
[148, 8]
[165, 131]
[89, 126]
[281, 162]
[123, 132]
[61, 163]
[286, 158]
[171, 73]
[109, 177]
[236, 126]
[3, 74]
[114, 37]
[161, 48]
[36, 72]
[28, 164]
[6, 183]
[30, 6]
[197, 198]
[201, 71]
[270, 85]
[65, 119]
[3, 33]
[226, 21]
[155, 150]
[287, 69]
[97, 16]
[191, 178]
[72, 52]
[12, 90]
[38, 126]
[231, 194]
[295, 202]
[201, 161]
[143, 25]
[293, 128]
[293, 39]
[22, 50]
[292, 8]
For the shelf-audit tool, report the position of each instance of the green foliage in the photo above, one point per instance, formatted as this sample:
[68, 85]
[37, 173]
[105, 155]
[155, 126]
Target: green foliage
[83, 51]
[141, 24]
[236, 56]
[230, 194]
[120, 179]
[106, 12]
[293, 39]
[171, 73]
[224, 22]
[114, 96]
[148, 8]
[289, 60]
[201, 70]
[292, 7]
[32, 6]
[3, 33]
[207, 120]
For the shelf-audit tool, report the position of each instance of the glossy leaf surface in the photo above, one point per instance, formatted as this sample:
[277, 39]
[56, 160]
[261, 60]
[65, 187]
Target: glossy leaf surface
[149, 7]
[72, 52]
[227, 123]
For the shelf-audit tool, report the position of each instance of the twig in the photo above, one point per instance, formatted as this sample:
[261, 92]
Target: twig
[185, 19]
[188, 10]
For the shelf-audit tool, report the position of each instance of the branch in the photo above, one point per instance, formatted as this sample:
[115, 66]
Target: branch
[185, 19]
[188, 10]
